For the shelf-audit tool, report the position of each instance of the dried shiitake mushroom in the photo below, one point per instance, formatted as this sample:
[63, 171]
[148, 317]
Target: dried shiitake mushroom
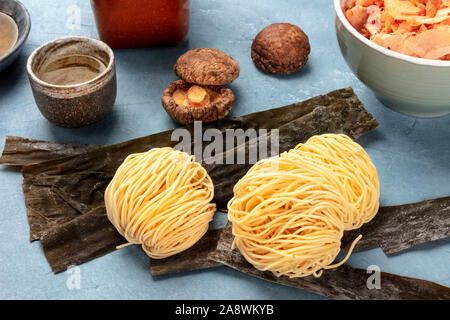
[281, 48]
[201, 96]
[187, 102]
[207, 66]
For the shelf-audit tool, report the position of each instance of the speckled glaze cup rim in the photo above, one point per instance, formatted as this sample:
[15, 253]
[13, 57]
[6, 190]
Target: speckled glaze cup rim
[414, 60]
[22, 36]
[80, 88]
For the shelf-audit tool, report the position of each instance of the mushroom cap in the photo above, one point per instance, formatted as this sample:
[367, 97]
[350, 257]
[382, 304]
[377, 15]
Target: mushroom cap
[280, 48]
[219, 106]
[207, 66]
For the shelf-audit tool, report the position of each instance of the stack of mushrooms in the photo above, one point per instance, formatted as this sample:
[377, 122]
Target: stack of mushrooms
[201, 94]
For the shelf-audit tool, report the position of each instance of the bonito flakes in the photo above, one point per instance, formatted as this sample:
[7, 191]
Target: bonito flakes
[418, 28]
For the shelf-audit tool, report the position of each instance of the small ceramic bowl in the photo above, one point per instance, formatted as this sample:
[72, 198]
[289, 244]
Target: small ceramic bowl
[76, 105]
[414, 86]
[21, 17]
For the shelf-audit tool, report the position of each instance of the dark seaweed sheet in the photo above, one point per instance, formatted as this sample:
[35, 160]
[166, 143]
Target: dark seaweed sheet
[80, 240]
[194, 258]
[20, 152]
[398, 228]
[59, 191]
[344, 282]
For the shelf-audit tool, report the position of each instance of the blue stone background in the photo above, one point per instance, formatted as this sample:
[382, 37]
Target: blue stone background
[412, 155]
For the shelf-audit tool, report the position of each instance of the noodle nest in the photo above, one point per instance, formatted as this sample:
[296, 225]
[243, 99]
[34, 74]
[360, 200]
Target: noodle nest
[161, 199]
[289, 212]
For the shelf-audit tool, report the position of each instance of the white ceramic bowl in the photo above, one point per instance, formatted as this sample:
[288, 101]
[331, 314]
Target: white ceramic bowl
[414, 86]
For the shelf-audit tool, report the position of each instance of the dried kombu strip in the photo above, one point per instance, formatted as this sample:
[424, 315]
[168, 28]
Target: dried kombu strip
[398, 228]
[80, 240]
[344, 282]
[194, 258]
[21, 151]
[59, 191]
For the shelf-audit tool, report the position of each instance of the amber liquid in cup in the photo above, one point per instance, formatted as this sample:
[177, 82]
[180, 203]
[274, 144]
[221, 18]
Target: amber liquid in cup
[71, 70]
[9, 33]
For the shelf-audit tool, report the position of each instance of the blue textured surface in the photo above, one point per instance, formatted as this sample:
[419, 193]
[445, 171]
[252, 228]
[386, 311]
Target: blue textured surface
[412, 155]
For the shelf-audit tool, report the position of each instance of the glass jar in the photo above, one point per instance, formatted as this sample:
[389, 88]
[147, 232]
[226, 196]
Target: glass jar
[141, 23]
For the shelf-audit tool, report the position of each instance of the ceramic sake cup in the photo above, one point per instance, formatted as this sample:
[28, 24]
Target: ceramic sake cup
[79, 105]
[21, 17]
[410, 85]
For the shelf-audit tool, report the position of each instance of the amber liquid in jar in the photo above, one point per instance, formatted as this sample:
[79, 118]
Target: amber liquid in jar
[141, 23]
[9, 33]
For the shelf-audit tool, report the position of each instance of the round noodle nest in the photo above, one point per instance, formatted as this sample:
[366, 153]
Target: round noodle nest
[289, 212]
[161, 199]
